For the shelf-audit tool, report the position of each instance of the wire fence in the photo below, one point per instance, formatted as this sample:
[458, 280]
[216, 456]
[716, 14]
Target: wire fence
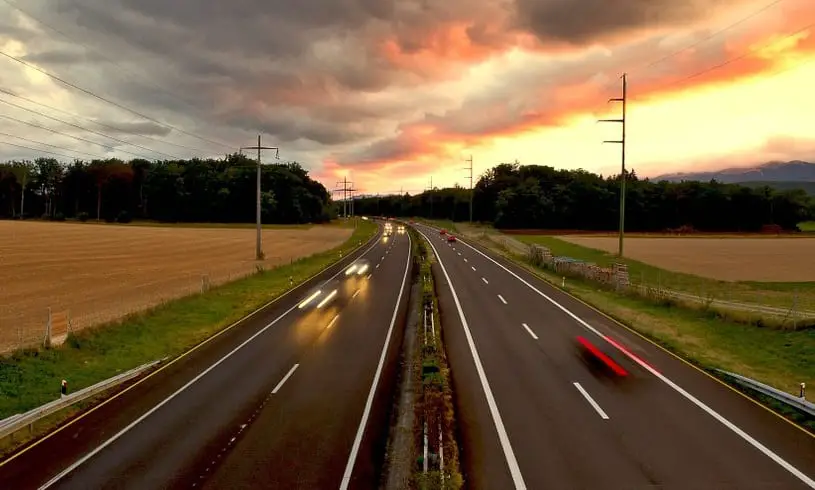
[787, 307]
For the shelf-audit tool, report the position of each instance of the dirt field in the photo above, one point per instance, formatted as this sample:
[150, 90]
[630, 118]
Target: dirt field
[103, 272]
[729, 259]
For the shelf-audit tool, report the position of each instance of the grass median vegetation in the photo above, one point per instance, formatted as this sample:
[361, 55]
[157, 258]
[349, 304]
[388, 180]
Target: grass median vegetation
[31, 377]
[435, 407]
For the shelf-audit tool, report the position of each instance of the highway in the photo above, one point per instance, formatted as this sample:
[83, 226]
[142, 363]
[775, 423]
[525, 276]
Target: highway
[291, 398]
[534, 412]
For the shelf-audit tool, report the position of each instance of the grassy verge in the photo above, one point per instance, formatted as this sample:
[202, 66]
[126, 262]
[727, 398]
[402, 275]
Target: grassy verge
[807, 226]
[31, 377]
[779, 358]
[784, 295]
[434, 408]
[439, 223]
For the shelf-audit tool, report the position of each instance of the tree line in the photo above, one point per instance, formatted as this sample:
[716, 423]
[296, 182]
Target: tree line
[197, 190]
[512, 196]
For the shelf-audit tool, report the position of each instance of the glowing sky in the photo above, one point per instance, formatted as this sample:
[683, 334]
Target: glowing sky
[390, 93]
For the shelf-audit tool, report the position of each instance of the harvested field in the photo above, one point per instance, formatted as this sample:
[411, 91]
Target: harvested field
[728, 259]
[101, 273]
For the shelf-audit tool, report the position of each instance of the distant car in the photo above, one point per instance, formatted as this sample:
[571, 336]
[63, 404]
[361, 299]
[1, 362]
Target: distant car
[321, 295]
[442, 231]
[401, 230]
[451, 238]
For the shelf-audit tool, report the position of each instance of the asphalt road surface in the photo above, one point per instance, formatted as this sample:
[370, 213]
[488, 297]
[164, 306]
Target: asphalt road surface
[536, 412]
[292, 398]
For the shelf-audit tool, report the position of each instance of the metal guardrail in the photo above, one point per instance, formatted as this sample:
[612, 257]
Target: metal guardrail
[782, 396]
[16, 422]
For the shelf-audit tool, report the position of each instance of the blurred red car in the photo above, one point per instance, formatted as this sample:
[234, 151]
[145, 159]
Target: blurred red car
[442, 231]
[451, 238]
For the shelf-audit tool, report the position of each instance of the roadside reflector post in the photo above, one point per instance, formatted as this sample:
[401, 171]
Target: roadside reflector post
[563, 282]
[291, 281]
[64, 388]
[803, 390]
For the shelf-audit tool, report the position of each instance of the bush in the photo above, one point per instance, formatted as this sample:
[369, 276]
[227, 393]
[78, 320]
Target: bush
[83, 216]
[124, 217]
[45, 217]
[59, 217]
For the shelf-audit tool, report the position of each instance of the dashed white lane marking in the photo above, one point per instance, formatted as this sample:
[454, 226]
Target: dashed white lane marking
[355, 294]
[465, 259]
[377, 265]
[485, 280]
[471, 267]
[530, 331]
[285, 378]
[459, 254]
[591, 401]
[502, 299]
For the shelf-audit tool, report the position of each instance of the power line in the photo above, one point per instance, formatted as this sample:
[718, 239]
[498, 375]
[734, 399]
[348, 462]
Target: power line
[51, 146]
[738, 58]
[91, 120]
[38, 150]
[99, 97]
[71, 136]
[98, 52]
[720, 31]
[85, 129]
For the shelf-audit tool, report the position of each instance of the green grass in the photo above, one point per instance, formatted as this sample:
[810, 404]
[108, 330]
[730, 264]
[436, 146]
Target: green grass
[784, 295]
[780, 358]
[807, 226]
[30, 378]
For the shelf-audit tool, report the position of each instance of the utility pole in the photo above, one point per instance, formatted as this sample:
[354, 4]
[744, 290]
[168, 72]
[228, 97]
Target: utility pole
[345, 192]
[258, 242]
[470, 168]
[622, 143]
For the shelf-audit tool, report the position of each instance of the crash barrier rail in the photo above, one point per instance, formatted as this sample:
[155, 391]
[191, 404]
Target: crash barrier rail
[16, 422]
[799, 403]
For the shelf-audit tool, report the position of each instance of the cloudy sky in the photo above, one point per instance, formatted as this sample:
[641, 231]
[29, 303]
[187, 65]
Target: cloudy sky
[390, 92]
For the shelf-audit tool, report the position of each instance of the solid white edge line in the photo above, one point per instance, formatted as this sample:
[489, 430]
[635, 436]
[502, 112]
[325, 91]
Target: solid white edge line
[285, 378]
[530, 331]
[502, 299]
[509, 454]
[730, 425]
[591, 401]
[119, 434]
[349, 467]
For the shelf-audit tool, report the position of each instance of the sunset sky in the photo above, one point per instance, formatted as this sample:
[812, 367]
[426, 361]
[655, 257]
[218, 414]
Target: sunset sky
[389, 93]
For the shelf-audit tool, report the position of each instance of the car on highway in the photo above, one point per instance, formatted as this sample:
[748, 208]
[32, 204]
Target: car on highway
[358, 268]
[401, 229]
[321, 295]
[442, 232]
[451, 239]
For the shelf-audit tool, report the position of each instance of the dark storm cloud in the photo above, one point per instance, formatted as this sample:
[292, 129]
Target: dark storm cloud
[581, 22]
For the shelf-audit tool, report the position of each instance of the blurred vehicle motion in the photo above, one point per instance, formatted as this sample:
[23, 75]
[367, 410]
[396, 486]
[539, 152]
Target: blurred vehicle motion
[451, 239]
[601, 357]
[401, 229]
[358, 268]
[442, 232]
[321, 295]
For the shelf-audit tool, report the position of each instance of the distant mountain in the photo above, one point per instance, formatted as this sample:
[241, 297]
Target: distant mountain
[788, 172]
